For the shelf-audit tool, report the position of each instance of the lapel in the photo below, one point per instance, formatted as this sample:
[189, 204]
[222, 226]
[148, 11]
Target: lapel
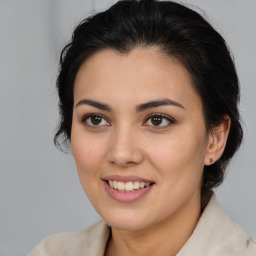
[214, 235]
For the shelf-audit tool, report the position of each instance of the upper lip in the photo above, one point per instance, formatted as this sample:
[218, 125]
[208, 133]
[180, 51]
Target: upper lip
[127, 178]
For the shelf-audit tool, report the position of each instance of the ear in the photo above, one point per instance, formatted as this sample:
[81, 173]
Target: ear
[217, 141]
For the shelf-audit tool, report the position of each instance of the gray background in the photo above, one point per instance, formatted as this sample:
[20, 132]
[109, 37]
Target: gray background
[40, 192]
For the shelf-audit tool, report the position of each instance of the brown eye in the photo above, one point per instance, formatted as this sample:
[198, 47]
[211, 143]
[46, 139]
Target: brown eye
[95, 121]
[156, 120]
[159, 121]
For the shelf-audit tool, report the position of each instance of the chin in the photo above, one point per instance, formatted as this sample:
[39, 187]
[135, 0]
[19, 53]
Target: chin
[132, 220]
[133, 225]
[127, 220]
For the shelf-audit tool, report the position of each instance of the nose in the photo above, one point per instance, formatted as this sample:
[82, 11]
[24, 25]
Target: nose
[124, 148]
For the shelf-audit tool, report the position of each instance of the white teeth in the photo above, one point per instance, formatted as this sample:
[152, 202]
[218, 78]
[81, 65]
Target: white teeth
[136, 185]
[120, 186]
[127, 186]
[114, 184]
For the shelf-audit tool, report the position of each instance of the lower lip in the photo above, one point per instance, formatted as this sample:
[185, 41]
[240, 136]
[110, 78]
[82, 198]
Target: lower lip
[126, 197]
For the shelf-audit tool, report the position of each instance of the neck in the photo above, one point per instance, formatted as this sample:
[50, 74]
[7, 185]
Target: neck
[164, 238]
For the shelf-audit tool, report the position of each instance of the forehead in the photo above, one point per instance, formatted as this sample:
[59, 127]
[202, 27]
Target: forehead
[140, 75]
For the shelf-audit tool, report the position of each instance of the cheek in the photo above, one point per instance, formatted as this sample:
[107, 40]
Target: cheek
[84, 154]
[88, 154]
[180, 158]
[180, 166]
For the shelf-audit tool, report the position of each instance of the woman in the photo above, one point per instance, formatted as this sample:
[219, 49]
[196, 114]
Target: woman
[148, 102]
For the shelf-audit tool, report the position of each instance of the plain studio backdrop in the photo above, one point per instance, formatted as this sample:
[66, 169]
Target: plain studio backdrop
[40, 193]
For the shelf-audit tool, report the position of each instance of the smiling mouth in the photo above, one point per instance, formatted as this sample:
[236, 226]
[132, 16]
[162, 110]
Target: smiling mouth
[127, 186]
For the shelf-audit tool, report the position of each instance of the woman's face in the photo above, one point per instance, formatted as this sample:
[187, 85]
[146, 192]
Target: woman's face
[138, 137]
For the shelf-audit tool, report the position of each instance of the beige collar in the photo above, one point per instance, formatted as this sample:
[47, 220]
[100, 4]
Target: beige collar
[214, 235]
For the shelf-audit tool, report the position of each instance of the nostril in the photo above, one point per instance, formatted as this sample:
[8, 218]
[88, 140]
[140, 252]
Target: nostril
[125, 158]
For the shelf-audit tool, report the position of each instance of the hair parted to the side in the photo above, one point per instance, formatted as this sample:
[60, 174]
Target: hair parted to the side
[178, 32]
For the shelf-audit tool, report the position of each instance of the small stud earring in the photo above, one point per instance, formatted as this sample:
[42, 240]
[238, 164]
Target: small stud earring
[211, 160]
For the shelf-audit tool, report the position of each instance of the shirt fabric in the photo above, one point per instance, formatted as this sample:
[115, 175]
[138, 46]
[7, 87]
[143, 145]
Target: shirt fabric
[214, 235]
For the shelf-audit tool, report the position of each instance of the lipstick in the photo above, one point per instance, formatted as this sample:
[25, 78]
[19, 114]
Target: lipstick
[127, 188]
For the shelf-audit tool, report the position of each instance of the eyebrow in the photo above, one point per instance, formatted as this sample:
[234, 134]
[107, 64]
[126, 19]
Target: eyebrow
[139, 108]
[95, 104]
[158, 103]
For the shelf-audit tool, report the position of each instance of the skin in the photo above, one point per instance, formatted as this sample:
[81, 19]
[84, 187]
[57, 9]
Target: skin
[126, 142]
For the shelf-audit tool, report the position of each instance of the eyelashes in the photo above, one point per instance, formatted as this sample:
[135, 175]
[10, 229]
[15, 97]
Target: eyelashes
[159, 121]
[95, 121]
[156, 121]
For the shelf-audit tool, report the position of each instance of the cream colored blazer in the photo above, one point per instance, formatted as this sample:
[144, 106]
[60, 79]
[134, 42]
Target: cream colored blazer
[214, 235]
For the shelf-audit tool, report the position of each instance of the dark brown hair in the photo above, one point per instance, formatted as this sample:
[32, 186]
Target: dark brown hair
[180, 33]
